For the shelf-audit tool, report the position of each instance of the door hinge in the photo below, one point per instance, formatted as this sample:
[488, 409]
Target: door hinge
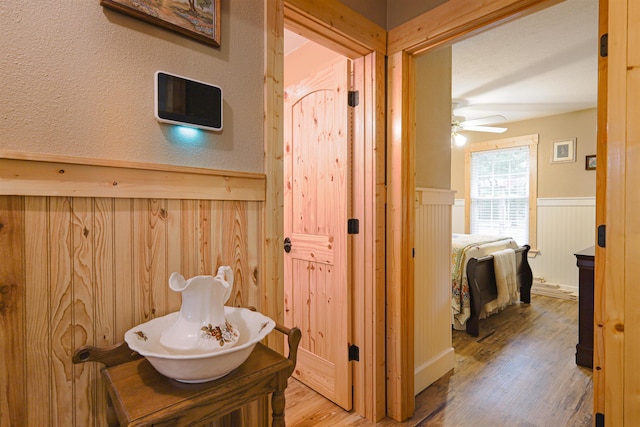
[354, 353]
[353, 98]
[602, 236]
[353, 226]
[604, 45]
[599, 419]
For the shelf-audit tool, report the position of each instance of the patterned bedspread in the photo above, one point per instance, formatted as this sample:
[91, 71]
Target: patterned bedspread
[461, 244]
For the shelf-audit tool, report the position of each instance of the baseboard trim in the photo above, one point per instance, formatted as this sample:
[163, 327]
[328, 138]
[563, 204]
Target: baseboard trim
[433, 370]
[554, 290]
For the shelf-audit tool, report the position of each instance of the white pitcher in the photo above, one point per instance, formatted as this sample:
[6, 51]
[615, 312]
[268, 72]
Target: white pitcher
[201, 325]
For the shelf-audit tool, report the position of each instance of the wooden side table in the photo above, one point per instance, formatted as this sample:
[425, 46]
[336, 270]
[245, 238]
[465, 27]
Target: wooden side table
[141, 396]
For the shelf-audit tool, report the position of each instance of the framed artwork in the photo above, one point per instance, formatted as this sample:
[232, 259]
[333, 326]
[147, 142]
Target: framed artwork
[197, 19]
[564, 151]
[590, 162]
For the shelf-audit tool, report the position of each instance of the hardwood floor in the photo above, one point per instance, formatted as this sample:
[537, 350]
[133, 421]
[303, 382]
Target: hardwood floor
[521, 371]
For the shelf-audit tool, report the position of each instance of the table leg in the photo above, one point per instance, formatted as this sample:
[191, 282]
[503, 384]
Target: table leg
[277, 404]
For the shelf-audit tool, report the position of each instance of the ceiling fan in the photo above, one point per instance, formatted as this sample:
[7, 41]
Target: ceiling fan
[459, 123]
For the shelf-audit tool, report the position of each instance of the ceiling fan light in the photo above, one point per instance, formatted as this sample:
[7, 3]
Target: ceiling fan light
[458, 140]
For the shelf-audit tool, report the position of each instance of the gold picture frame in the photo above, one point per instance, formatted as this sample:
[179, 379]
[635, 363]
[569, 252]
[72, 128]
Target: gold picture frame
[197, 19]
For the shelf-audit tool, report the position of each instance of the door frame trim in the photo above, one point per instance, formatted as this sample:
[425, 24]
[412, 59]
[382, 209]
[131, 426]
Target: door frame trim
[440, 26]
[340, 28]
[450, 22]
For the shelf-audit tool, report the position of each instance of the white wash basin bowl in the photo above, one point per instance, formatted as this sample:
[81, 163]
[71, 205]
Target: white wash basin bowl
[197, 367]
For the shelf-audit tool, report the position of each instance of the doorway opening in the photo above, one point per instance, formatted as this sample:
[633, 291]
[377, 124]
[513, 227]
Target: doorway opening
[318, 136]
[565, 215]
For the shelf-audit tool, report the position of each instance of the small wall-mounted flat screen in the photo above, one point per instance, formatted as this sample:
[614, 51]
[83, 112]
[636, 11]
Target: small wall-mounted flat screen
[183, 101]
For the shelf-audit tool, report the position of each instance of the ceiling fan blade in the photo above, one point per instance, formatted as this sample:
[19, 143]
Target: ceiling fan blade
[491, 129]
[485, 120]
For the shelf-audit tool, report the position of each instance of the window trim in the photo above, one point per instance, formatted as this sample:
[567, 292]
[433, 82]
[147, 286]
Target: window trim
[518, 141]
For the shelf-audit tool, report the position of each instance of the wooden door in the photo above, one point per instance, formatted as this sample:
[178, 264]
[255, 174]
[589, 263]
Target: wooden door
[316, 199]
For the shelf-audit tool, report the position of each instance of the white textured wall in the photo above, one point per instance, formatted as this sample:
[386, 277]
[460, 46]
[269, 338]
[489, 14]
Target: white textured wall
[77, 80]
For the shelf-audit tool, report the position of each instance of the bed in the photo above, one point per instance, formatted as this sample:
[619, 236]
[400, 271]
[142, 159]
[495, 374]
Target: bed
[474, 260]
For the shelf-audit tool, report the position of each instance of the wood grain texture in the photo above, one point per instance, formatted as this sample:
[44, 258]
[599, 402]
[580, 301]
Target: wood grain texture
[12, 312]
[38, 315]
[349, 32]
[141, 396]
[369, 392]
[455, 19]
[123, 266]
[375, 203]
[77, 177]
[361, 259]
[175, 251]
[520, 372]
[631, 391]
[271, 275]
[601, 218]
[615, 267]
[318, 192]
[61, 308]
[400, 239]
[83, 306]
[88, 269]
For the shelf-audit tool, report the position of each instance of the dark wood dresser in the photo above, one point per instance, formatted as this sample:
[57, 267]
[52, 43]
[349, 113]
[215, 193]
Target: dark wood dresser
[584, 348]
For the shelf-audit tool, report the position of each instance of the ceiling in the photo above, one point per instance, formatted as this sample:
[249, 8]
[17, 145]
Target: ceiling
[539, 65]
[292, 41]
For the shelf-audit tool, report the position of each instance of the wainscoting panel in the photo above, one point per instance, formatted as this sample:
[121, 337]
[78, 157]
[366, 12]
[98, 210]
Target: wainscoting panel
[565, 226]
[87, 248]
[82, 270]
[433, 350]
[457, 215]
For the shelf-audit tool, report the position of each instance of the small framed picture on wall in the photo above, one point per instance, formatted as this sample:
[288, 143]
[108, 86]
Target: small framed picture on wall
[590, 162]
[564, 151]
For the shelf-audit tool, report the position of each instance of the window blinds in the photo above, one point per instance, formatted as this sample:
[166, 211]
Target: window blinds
[500, 193]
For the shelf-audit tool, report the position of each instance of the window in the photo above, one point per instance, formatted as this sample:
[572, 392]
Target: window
[501, 190]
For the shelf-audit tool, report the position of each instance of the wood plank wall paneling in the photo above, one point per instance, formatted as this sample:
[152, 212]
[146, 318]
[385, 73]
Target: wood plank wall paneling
[46, 175]
[12, 311]
[37, 296]
[83, 270]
